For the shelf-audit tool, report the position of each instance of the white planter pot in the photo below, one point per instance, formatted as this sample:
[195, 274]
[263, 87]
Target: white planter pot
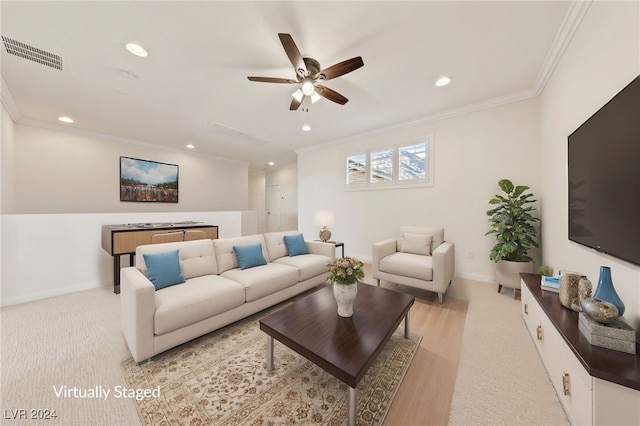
[345, 296]
[508, 273]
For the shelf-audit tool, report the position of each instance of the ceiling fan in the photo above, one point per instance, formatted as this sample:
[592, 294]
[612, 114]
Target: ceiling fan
[309, 74]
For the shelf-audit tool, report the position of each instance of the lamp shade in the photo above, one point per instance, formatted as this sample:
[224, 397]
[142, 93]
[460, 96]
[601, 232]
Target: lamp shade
[325, 218]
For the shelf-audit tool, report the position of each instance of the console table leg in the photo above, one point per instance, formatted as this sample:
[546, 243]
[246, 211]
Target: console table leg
[116, 274]
[406, 326]
[353, 406]
[269, 353]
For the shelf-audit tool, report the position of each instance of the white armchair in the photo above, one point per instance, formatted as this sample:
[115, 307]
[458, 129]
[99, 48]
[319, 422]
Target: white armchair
[419, 257]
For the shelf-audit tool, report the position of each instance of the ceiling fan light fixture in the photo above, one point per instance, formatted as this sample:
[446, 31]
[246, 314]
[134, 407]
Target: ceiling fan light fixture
[308, 88]
[298, 95]
[315, 97]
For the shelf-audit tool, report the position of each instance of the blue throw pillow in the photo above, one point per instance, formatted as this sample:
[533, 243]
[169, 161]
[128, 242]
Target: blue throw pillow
[295, 245]
[163, 269]
[249, 256]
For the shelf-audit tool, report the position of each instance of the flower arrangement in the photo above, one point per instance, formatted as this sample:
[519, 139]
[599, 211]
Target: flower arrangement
[346, 270]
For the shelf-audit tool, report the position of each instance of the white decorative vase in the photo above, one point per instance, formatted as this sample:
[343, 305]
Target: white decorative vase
[345, 295]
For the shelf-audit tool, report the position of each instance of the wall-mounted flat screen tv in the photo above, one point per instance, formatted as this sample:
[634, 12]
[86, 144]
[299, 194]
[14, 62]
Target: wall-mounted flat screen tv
[604, 178]
[148, 181]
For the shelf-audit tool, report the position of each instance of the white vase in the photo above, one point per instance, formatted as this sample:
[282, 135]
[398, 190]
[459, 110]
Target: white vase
[345, 295]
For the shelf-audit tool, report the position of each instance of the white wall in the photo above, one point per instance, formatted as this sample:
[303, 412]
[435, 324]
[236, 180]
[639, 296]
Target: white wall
[58, 189]
[257, 201]
[286, 177]
[603, 57]
[58, 172]
[50, 254]
[471, 153]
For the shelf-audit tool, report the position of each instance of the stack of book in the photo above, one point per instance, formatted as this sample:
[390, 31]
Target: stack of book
[550, 284]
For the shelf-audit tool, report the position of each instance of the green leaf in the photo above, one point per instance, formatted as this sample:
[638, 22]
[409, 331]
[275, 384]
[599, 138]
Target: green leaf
[505, 185]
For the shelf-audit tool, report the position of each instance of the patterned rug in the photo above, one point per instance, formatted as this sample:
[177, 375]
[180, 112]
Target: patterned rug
[221, 379]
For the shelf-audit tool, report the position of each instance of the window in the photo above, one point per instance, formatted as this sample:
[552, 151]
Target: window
[357, 169]
[413, 162]
[401, 166]
[381, 166]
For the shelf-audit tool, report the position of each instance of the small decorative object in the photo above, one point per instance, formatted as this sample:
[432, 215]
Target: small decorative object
[569, 289]
[606, 291]
[584, 289]
[600, 310]
[325, 218]
[545, 271]
[617, 335]
[345, 273]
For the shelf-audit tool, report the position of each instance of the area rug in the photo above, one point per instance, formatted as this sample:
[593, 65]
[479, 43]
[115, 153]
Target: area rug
[221, 379]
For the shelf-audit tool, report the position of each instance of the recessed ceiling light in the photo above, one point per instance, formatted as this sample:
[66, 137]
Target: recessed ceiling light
[190, 146]
[65, 119]
[443, 81]
[136, 49]
[271, 163]
[306, 127]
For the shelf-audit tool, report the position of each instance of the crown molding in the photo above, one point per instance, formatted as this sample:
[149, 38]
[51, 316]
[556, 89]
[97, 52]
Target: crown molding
[572, 20]
[68, 129]
[8, 102]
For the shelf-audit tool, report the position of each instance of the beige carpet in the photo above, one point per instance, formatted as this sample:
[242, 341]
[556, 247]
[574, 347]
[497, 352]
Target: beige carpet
[221, 379]
[501, 379]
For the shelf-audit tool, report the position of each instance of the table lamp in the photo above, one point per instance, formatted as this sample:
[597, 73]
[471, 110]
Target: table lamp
[325, 218]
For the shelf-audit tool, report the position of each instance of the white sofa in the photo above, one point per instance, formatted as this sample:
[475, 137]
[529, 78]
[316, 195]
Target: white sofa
[419, 257]
[216, 292]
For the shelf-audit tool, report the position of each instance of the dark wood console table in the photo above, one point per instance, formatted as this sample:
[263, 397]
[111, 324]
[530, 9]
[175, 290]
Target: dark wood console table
[124, 238]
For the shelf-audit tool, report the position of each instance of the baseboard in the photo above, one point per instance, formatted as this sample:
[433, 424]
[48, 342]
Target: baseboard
[50, 293]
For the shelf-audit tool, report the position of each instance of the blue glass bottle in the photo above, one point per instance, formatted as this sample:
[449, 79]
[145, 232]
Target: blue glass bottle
[605, 290]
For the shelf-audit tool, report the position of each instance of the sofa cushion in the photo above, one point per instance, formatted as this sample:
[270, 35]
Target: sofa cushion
[249, 256]
[164, 269]
[408, 265]
[196, 257]
[295, 245]
[275, 243]
[308, 265]
[263, 280]
[197, 299]
[226, 257]
[417, 244]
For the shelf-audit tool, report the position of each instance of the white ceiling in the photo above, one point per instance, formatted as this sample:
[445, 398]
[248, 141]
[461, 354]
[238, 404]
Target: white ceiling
[200, 54]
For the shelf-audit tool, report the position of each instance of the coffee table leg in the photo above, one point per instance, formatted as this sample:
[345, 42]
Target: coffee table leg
[353, 405]
[406, 326]
[269, 353]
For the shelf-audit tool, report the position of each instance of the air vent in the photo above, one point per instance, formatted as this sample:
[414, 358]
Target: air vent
[31, 53]
[229, 134]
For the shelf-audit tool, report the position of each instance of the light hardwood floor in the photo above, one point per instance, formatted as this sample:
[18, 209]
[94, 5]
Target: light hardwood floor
[424, 398]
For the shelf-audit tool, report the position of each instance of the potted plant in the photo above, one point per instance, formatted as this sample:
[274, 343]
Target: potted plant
[511, 222]
[345, 273]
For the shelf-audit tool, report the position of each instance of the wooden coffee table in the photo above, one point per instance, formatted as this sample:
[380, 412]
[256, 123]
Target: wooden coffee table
[344, 347]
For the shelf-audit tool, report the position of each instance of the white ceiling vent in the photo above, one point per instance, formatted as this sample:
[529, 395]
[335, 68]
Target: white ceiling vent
[229, 134]
[32, 53]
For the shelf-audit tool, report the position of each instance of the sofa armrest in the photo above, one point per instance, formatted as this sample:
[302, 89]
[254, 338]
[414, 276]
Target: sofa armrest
[137, 310]
[325, 249]
[381, 250]
[443, 266]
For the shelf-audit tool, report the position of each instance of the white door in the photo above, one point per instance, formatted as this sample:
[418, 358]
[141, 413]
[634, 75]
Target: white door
[274, 201]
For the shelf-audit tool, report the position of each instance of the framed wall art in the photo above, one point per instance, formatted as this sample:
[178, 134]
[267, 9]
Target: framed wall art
[148, 181]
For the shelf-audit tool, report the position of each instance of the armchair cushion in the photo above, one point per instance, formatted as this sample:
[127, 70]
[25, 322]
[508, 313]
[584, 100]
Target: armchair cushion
[417, 244]
[408, 265]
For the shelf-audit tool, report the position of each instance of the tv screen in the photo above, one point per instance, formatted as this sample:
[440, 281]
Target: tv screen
[604, 178]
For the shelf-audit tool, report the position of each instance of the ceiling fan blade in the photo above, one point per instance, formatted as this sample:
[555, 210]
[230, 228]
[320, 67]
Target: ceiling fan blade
[272, 80]
[341, 68]
[295, 104]
[293, 53]
[332, 95]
